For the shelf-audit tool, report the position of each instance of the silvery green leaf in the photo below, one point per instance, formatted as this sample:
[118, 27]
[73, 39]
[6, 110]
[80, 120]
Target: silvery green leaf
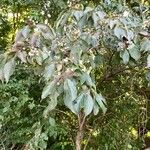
[125, 56]
[148, 61]
[101, 102]
[70, 94]
[119, 32]
[88, 104]
[48, 71]
[9, 68]
[86, 78]
[51, 105]
[78, 14]
[145, 46]
[25, 31]
[48, 89]
[96, 108]
[78, 103]
[52, 121]
[134, 52]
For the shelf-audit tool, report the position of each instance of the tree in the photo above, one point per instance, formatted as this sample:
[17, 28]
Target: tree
[68, 55]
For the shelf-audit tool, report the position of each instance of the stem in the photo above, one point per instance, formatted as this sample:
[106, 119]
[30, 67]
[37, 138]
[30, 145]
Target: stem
[79, 137]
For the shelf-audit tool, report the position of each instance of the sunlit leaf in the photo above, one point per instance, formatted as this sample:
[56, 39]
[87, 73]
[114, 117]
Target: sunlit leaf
[52, 104]
[88, 104]
[48, 89]
[148, 61]
[9, 69]
[101, 102]
[134, 52]
[145, 45]
[119, 32]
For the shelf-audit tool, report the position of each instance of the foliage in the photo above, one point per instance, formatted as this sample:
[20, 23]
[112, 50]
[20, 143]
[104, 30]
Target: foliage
[87, 54]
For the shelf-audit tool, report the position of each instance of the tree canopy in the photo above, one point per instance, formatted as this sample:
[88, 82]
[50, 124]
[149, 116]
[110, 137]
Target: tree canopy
[75, 74]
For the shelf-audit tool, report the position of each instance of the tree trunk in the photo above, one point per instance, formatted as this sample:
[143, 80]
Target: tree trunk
[79, 136]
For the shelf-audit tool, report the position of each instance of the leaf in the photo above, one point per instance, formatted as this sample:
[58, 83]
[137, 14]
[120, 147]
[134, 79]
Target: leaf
[78, 14]
[88, 104]
[39, 59]
[70, 94]
[145, 45]
[119, 32]
[86, 78]
[148, 76]
[25, 31]
[52, 104]
[1, 74]
[52, 121]
[78, 103]
[95, 18]
[125, 56]
[22, 55]
[98, 60]
[9, 69]
[112, 23]
[96, 108]
[48, 89]
[94, 41]
[148, 61]
[69, 87]
[101, 101]
[48, 71]
[134, 52]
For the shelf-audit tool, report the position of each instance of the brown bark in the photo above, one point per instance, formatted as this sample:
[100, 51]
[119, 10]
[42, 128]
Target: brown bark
[79, 137]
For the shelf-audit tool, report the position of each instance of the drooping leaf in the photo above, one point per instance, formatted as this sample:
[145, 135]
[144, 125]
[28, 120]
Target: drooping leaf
[1, 74]
[70, 88]
[78, 14]
[9, 69]
[25, 31]
[78, 103]
[145, 45]
[22, 56]
[148, 76]
[96, 108]
[88, 104]
[101, 102]
[120, 32]
[148, 61]
[85, 77]
[48, 89]
[52, 104]
[125, 56]
[48, 71]
[70, 94]
[134, 52]
[52, 121]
